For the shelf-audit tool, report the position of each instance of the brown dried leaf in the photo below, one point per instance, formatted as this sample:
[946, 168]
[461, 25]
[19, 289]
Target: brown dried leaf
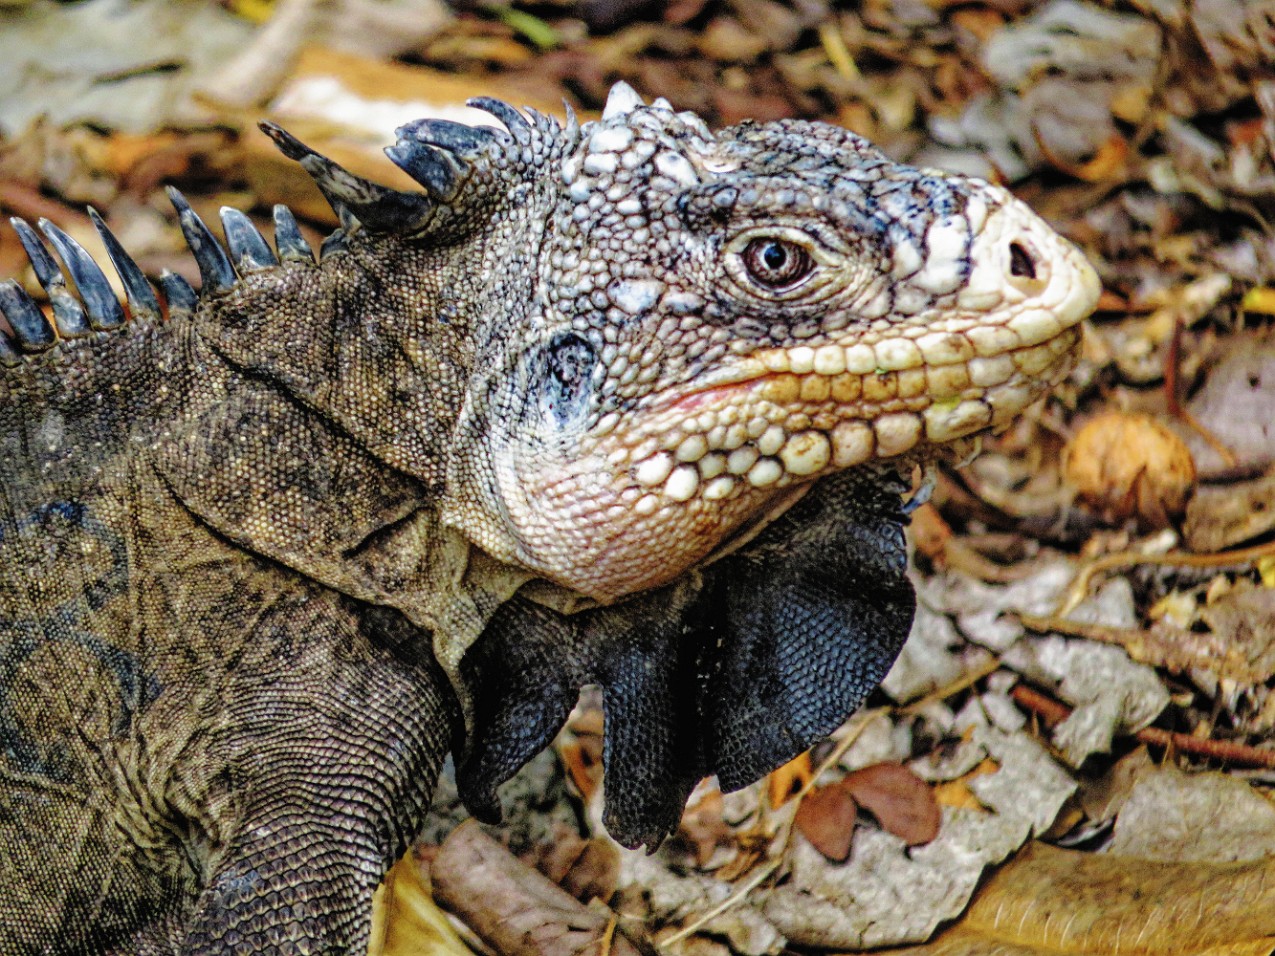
[1101, 798]
[728, 41]
[1241, 621]
[406, 920]
[1127, 465]
[514, 909]
[1235, 404]
[703, 826]
[583, 762]
[596, 874]
[788, 779]
[826, 818]
[902, 802]
[1052, 902]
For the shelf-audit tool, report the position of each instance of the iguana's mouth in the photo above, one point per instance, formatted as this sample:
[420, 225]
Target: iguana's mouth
[785, 415]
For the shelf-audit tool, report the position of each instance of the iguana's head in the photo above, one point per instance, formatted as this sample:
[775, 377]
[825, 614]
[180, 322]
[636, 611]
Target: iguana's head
[674, 332]
[718, 319]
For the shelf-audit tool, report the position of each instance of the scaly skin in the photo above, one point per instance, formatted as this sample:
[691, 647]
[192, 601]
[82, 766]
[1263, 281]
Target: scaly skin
[618, 404]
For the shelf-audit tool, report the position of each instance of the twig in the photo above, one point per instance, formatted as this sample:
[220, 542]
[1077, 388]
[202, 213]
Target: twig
[759, 876]
[1242, 754]
[955, 687]
[1177, 650]
[1173, 400]
[1183, 559]
[608, 935]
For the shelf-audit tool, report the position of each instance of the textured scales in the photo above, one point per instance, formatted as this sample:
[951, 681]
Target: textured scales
[621, 403]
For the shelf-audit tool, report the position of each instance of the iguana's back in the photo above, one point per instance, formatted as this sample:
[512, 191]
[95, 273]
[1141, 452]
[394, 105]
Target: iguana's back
[155, 676]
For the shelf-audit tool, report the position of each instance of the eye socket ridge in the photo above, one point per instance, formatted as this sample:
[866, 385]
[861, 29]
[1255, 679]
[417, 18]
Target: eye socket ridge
[776, 263]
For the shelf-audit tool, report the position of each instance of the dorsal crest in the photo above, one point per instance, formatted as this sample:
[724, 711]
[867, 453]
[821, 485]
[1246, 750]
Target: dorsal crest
[458, 166]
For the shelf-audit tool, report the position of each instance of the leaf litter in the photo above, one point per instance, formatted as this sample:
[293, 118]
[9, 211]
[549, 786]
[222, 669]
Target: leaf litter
[1085, 703]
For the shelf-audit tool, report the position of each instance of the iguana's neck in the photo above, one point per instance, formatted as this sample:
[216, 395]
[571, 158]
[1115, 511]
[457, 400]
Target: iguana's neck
[319, 424]
[374, 342]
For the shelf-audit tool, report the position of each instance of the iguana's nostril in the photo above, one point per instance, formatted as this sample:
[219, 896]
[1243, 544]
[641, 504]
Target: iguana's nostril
[1022, 263]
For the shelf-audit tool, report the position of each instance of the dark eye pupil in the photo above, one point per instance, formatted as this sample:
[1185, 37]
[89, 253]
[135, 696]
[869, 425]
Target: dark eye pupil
[775, 263]
[774, 256]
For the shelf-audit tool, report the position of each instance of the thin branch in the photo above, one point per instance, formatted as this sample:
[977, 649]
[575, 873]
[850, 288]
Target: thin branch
[1226, 751]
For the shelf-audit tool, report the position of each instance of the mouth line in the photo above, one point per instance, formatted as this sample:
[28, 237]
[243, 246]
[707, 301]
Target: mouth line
[787, 377]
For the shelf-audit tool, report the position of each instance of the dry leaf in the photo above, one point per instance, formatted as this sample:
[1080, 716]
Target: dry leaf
[405, 919]
[703, 827]
[901, 801]
[587, 869]
[513, 908]
[1222, 516]
[583, 762]
[826, 818]
[1052, 902]
[1177, 817]
[1235, 403]
[1129, 465]
[788, 779]
[957, 793]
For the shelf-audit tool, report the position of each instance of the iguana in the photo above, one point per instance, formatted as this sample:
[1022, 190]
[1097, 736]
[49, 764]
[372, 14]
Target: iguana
[619, 403]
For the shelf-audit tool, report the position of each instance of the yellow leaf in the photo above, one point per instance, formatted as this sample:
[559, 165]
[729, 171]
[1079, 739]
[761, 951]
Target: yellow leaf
[1266, 569]
[788, 779]
[1260, 299]
[405, 919]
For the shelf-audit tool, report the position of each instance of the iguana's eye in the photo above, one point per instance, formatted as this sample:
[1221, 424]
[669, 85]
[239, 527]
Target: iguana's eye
[776, 263]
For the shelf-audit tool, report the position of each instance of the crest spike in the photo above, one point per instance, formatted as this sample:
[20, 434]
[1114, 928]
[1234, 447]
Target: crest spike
[68, 311]
[514, 121]
[435, 169]
[215, 271]
[104, 311]
[248, 250]
[181, 297]
[376, 207]
[30, 328]
[142, 303]
[288, 240]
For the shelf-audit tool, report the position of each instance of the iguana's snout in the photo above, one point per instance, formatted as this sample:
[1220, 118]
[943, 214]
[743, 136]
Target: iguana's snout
[725, 317]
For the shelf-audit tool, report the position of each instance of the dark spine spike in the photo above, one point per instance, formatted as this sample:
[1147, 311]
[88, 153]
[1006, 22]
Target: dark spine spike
[215, 271]
[104, 311]
[514, 121]
[142, 303]
[181, 297]
[288, 240]
[31, 329]
[68, 313]
[465, 141]
[376, 207]
[248, 249]
[432, 168]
